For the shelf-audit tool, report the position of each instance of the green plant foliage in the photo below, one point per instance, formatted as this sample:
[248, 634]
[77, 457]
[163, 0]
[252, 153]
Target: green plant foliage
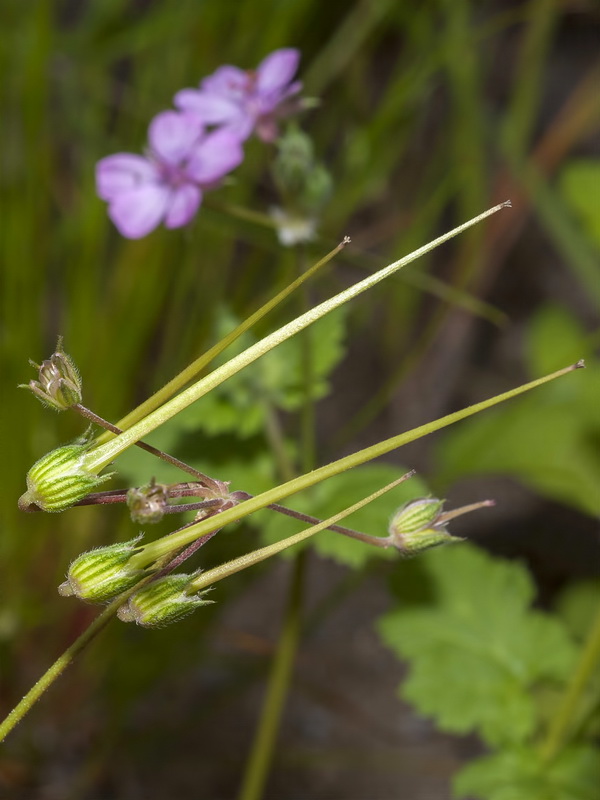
[240, 404]
[333, 495]
[477, 653]
[548, 441]
[522, 774]
[578, 605]
[579, 183]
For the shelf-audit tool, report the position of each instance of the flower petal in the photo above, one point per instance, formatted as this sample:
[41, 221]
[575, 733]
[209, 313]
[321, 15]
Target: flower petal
[227, 81]
[212, 109]
[277, 69]
[217, 154]
[173, 134]
[138, 211]
[183, 204]
[122, 172]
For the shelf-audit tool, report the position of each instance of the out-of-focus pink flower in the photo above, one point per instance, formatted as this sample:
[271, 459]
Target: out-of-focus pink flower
[246, 101]
[167, 184]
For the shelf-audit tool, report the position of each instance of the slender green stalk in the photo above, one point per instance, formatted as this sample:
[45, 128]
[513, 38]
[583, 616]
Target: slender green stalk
[560, 728]
[169, 459]
[211, 576]
[181, 538]
[100, 456]
[56, 670]
[214, 575]
[280, 676]
[258, 764]
[196, 367]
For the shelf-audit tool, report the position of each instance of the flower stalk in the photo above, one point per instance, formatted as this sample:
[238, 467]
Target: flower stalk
[102, 455]
[182, 538]
[211, 576]
[89, 463]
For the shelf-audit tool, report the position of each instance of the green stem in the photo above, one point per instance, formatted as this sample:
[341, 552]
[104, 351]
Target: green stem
[100, 456]
[559, 730]
[179, 539]
[56, 670]
[212, 576]
[280, 675]
[200, 476]
[194, 369]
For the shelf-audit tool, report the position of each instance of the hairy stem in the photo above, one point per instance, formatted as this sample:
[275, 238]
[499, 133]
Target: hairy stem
[204, 479]
[175, 541]
[56, 670]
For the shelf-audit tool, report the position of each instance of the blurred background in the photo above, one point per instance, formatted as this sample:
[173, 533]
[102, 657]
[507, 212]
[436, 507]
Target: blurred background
[429, 113]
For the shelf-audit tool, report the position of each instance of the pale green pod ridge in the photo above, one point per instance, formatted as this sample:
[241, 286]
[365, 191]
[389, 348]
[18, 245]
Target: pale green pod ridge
[161, 602]
[59, 479]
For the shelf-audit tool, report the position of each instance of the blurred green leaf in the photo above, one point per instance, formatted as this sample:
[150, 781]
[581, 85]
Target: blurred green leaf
[579, 184]
[522, 775]
[578, 605]
[476, 654]
[548, 440]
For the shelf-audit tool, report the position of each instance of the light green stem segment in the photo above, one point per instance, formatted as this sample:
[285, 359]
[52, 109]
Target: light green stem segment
[196, 367]
[243, 562]
[56, 670]
[256, 771]
[561, 726]
[99, 457]
[174, 541]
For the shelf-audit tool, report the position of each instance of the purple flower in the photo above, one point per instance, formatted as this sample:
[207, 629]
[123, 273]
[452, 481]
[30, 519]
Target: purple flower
[246, 101]
[167, 184]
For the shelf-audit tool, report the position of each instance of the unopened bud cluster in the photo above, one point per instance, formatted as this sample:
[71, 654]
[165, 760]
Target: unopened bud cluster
[304, 186]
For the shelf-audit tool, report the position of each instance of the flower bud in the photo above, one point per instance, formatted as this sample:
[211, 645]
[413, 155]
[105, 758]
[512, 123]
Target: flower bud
[59, 479]
[292, 228]
[161, 602]
[59, 383]
[148, 503]
[103, 573]
[419, 525]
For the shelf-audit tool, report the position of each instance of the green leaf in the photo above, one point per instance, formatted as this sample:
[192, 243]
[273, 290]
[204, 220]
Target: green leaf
[340, 492]
[579, 183]
[521, 774]
[478, 652]
[578, 605]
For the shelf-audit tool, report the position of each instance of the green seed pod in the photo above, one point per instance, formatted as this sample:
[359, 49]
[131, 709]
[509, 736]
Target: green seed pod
[161, 602]
[103, 573]
[59, 479]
